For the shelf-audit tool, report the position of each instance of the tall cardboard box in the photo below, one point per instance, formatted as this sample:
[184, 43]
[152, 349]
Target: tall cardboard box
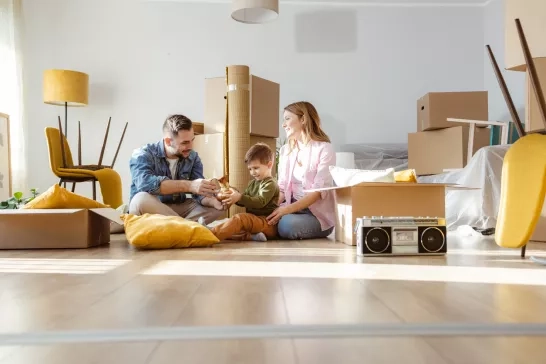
[198, 128]
[430, 152]
[434, 108]
[264, 106]
[211, 150]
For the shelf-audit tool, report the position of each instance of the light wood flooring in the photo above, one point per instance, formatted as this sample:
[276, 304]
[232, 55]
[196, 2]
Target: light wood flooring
[311, 282]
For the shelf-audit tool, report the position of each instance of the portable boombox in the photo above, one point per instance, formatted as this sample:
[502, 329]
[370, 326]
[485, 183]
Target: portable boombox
[378, 235]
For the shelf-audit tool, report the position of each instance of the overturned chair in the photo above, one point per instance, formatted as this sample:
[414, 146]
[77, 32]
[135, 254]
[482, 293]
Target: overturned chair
[62, 165]
[523, 181]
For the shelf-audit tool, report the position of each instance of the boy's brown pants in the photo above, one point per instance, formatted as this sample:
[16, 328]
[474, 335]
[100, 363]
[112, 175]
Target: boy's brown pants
[242, 225]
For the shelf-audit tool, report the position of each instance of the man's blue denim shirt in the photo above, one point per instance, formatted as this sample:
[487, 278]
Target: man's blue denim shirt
[149, 167]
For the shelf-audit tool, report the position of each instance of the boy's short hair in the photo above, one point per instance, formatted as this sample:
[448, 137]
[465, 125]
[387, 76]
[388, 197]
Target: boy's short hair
[261, 152]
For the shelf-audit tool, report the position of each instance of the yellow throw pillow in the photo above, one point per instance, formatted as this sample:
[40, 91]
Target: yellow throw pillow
[154, 231]
[407, 175]
[57, 197]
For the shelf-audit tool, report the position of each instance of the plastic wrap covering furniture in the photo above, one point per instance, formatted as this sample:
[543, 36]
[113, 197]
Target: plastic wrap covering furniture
[380, 156]
[477, 208]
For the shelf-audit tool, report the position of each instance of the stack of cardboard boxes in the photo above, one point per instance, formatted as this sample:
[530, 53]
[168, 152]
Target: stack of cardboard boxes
[264, 121]
[440, 145]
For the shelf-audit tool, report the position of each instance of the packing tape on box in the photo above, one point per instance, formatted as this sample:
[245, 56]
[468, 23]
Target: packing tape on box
[235, 87]
[274, 332]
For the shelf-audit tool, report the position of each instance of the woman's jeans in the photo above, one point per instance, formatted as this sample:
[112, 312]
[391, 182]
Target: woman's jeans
[301, 225]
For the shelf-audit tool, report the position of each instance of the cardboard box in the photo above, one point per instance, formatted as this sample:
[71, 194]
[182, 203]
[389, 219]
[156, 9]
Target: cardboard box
[430, 152]
[198, 128]
[264, 106]
[210, 148]
[434, 108]
[533, 119]
[532, 15]
[56, 229]
[384, 199]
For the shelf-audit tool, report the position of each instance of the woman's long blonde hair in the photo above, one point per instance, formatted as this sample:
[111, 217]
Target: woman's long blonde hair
[311, 123]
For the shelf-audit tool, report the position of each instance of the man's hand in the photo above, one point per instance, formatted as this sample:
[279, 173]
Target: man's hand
[276, 215]
[232, 197]
[203, 187]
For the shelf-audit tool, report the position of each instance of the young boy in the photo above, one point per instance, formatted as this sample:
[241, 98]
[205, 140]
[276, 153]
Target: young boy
[260, 199]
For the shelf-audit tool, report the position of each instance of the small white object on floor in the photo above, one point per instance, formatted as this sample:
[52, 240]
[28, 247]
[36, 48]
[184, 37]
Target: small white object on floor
[467, 230]
[541, 261]
[259, 237]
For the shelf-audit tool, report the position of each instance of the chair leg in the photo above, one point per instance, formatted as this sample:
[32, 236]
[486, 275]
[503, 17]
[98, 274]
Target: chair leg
[523, 250]
[73, 187]
[95, 190]
[60, 182]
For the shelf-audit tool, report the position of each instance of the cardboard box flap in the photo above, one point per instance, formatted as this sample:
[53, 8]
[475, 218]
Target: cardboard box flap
[40, 211]
[109, 213]
[450, 186]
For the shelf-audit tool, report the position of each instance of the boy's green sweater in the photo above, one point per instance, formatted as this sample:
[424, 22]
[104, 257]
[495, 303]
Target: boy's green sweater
[260, 197]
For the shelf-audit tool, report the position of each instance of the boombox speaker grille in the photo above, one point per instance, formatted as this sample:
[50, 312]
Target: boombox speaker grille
[377, 240]
[432, 239]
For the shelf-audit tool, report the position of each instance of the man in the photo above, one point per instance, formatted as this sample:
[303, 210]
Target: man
[164, 172]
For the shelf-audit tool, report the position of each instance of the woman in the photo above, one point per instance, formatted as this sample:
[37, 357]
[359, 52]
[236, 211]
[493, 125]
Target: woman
[304, 164]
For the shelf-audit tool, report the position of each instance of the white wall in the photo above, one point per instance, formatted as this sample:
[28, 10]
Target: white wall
[363, 67]
[494, 36]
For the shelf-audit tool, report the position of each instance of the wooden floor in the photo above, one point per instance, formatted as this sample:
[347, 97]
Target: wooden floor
[274, 283]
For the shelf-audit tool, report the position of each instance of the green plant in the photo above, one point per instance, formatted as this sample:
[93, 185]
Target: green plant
[17, 200]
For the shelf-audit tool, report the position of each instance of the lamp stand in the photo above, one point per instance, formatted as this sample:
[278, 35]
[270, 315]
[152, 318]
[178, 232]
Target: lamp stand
[66, 119]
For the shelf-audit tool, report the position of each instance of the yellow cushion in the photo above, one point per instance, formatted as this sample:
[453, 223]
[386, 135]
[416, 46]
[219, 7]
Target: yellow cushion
[154, 231]
[57, 197]
[407, 175]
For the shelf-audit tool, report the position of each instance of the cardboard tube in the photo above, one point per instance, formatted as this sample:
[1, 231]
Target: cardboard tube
[238, 126]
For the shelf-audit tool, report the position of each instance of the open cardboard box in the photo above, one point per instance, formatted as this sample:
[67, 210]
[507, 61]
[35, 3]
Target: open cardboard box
[56, 228]
[385, 199]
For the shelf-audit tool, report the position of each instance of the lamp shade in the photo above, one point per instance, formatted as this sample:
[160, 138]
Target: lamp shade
[532, 15]
[66, 86]
[255, 11]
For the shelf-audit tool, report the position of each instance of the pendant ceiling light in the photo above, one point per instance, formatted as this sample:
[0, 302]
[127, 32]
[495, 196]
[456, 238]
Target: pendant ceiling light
[255, 11]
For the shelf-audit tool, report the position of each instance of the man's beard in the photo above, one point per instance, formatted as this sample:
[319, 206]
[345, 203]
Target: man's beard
[178, 154]
[174, 152]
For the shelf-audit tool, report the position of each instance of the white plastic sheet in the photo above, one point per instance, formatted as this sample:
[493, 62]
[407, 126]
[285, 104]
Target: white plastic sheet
[378, 156]
[475, 208]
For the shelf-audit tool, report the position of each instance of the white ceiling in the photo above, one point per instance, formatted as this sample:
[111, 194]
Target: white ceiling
[410, 3]
[399, 2]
